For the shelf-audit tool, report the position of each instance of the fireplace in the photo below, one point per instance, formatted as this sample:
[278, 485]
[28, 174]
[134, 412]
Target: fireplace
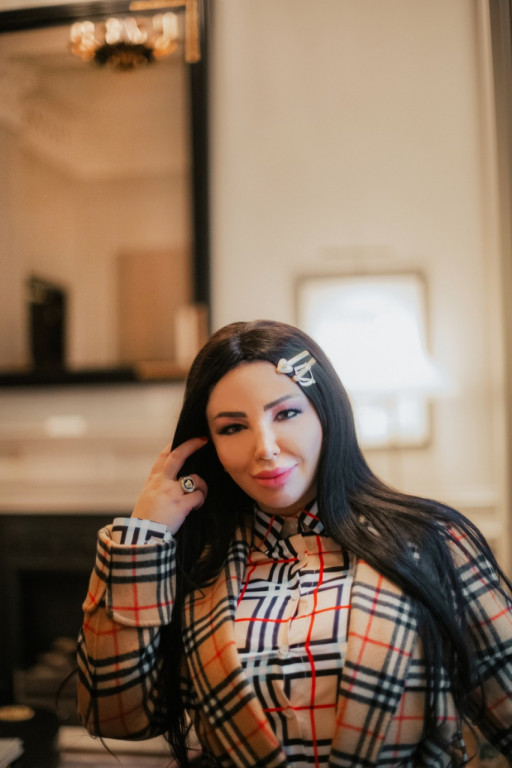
[45, 562]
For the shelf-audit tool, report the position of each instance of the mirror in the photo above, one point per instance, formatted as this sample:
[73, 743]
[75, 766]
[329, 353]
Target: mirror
[103, 207]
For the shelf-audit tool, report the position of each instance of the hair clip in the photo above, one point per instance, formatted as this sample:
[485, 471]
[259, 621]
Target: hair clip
[301, 373]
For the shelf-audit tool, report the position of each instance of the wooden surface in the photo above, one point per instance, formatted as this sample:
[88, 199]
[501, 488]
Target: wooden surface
[152, 287]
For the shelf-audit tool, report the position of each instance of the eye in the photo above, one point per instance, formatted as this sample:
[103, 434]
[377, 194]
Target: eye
[230, 429]
[287, 413]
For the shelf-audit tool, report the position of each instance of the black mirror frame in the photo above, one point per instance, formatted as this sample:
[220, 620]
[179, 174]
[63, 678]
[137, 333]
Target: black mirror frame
[38, 17]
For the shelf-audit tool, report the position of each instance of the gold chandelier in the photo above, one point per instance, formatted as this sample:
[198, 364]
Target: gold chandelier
[130, 42]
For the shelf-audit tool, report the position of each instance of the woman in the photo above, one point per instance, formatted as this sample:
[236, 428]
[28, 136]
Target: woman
[272, 592]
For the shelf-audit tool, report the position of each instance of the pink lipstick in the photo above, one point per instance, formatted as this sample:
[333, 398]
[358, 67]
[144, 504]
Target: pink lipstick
[274, 478]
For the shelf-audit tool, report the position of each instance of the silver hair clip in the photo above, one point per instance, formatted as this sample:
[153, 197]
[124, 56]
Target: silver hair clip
[302, 373]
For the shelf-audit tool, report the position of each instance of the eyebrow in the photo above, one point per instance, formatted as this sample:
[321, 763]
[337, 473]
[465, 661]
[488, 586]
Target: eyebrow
[242, 414]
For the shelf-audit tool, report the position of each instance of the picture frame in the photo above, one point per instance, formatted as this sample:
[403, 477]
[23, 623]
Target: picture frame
[373, 327]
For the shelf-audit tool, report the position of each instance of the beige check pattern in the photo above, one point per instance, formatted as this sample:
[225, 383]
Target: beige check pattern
[380, 700]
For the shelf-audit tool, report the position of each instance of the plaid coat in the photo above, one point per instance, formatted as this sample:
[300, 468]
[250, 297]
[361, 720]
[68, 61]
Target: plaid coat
[380, 715]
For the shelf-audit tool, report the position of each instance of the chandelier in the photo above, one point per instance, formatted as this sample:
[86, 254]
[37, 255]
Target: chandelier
[130, 42]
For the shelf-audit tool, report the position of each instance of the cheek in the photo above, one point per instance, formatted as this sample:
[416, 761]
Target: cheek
[315, 459]
[316, 445]
[227, 454]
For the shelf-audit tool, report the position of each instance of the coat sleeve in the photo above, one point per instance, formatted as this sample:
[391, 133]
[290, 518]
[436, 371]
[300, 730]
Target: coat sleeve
[130, 597]
[489, 616]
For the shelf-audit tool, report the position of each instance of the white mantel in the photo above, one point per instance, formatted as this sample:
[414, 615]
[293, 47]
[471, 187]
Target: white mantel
[82, 448]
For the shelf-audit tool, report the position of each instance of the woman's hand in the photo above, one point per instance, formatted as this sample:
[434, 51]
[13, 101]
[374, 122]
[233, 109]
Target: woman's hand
[162, 499]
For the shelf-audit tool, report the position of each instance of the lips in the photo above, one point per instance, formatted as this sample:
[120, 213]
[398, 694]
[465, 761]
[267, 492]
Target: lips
[274, 478]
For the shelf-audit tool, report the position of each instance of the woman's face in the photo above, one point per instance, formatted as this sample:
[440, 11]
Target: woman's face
[267, 436]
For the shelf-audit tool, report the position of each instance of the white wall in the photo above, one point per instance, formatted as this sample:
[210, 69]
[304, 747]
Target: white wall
[349, 135]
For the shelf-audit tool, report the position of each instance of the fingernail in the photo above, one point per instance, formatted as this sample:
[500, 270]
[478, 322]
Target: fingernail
[204, 439]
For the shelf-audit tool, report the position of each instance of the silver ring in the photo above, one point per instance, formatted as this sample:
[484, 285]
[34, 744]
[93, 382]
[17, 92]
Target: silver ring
[187, 484]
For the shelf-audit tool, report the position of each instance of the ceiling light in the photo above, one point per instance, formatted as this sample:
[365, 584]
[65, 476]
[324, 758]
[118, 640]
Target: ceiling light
[130, 42]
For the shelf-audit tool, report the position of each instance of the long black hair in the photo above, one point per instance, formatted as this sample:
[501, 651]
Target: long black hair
[404, 537]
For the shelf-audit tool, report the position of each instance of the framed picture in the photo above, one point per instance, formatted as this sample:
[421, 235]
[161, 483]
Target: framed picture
[373, 327]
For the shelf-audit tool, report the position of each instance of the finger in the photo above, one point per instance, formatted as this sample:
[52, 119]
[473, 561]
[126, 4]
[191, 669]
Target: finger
[195, 499]
[181, 453]
[162, 458]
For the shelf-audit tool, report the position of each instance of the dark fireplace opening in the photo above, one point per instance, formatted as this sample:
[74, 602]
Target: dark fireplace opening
[45, 563]
[51, 608]
[44, 676]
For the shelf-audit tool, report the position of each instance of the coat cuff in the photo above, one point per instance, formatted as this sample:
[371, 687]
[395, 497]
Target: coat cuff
[135, 583]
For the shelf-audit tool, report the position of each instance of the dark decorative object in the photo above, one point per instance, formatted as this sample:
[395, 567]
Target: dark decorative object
[47, 323]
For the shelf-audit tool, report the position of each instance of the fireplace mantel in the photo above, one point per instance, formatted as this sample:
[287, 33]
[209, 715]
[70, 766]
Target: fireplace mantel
[82, 449]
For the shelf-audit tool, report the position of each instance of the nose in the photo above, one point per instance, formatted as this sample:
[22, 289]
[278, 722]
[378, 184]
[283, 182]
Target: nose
[266, 447]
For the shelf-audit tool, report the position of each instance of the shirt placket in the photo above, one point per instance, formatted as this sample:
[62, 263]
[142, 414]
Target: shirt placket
[300, 683]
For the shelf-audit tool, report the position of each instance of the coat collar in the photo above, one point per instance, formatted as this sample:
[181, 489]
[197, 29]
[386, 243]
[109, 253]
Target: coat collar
[268, 528]
[381, 634]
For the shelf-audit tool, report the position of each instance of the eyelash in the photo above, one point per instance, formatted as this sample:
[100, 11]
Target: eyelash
[284, 415]
[230, 429]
